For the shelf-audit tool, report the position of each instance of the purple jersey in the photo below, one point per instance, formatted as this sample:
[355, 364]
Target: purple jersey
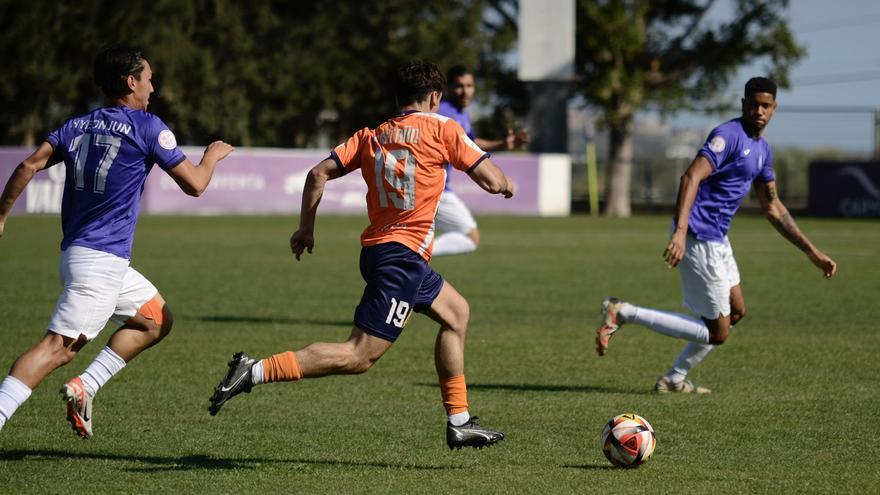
[107, 155]
[464, 120]
[737, 160]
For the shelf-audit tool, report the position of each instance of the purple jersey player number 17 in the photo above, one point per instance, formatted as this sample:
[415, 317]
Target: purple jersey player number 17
[107, 155]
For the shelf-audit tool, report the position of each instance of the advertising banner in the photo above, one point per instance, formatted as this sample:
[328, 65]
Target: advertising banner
[844, 189]
[270, 181]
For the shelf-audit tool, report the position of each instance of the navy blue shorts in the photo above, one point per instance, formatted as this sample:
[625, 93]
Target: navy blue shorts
[398, 282]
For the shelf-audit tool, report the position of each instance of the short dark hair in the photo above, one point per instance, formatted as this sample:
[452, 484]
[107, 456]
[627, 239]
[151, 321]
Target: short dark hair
[455, 72]
[113, 64]
[760, 85]
[415, 81]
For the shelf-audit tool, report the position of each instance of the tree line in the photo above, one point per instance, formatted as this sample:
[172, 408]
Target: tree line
[257, 73]
[279, 73]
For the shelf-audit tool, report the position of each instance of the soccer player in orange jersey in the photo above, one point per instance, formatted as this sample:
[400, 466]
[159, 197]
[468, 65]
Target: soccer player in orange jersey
[403, 162]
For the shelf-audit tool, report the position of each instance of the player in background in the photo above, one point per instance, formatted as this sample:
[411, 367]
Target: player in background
[458, 229]
[734, 157]
[403, 163]
[107, 154]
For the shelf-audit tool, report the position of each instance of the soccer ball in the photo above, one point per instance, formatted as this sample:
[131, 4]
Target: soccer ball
[628, 440]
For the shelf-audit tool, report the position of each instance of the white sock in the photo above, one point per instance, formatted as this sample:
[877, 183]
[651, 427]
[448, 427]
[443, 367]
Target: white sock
[105, 365]
[453, 243]
[692, 355]
[13, 393]
[257, 372]
[676, 325]
[459, 419]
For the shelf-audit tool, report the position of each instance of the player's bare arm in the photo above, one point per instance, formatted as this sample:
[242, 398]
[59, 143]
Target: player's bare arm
[192, 179]
[513, 140]
[698, 171]
[492, 179]
[20, 178]
[782, 221]
[304, 239]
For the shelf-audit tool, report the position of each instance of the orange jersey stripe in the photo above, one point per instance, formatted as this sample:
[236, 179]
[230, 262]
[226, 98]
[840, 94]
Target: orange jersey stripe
[403, 162]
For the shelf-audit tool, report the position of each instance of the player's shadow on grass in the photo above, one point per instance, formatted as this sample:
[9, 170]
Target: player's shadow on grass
[198, 461]
[272, 319]
[544, 387]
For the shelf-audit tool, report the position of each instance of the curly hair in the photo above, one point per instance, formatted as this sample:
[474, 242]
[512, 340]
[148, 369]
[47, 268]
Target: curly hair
[415, 81]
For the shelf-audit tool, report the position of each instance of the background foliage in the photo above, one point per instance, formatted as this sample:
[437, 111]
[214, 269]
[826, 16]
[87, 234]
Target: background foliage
[262, 73]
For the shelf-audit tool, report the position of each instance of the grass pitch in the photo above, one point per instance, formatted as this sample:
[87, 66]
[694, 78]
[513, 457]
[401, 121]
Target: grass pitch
[795, 396]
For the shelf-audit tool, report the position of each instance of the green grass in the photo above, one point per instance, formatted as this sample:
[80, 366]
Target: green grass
[794, 407]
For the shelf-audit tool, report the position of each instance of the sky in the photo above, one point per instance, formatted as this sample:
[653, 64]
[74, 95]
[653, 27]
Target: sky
[841, 69]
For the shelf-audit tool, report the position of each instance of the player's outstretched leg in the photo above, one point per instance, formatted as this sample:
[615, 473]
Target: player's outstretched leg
[471, 434]
[237, 380]
[609, 323]
[79, 407]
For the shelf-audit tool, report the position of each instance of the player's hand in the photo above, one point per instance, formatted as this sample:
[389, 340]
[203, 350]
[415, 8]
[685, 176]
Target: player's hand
[300, 241]
[824, 263]
[2, 226]
[516, 139]
[218, 150]
[675, 249]
[509, 188]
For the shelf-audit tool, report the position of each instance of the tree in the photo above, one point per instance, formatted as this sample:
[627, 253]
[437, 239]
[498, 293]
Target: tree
[667, 52]
[261, 73]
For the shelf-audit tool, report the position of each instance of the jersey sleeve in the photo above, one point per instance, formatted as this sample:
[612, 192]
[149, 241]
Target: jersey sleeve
[347, 155]
[162, 145]
[464, 154]
[54, 138]
[767, 174]
[717, 148]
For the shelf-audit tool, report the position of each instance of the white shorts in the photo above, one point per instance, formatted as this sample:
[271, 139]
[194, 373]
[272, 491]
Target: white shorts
[98, 286]
[708, 272]
[453, 215]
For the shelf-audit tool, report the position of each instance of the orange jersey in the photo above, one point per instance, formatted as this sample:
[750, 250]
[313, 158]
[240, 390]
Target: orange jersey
[403, 162]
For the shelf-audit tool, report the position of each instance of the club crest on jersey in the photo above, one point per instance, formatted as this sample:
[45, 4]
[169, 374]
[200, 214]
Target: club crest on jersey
[167, 140]
[717, 144]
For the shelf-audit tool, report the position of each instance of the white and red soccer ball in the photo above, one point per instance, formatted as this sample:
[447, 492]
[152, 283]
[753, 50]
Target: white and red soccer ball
[628, 440]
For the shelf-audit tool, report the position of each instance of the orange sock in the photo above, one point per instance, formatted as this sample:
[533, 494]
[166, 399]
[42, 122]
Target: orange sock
[281, 368]
[454, 391]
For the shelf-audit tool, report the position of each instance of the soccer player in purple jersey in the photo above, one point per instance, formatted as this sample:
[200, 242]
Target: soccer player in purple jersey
[107, 154]
[734, 157]
[459, 233]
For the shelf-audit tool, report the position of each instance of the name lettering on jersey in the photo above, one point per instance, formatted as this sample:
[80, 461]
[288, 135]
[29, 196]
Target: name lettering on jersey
[405, 135]
[106, 125]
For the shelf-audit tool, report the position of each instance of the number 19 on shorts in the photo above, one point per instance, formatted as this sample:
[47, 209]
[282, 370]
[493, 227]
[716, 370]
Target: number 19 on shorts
[399, 313]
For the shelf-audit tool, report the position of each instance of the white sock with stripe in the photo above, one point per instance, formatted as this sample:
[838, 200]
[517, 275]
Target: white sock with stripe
[13, 393]
[102, 369]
